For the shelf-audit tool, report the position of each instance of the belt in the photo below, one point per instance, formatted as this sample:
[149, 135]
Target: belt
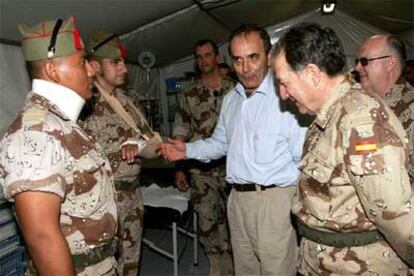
[125, 186]
[251, 187]
[95, 255]
[339, 240]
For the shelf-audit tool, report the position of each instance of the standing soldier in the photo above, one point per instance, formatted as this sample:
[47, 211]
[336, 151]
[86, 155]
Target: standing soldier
[380, 64]
[118, 125]
[354, 202]
[59, 179]
[198, 112]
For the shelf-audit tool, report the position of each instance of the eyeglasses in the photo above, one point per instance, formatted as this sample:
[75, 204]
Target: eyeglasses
[364, 61]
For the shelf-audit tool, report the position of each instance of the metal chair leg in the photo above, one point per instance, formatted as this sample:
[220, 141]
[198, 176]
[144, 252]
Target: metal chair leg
[175, 250]
[195, 239]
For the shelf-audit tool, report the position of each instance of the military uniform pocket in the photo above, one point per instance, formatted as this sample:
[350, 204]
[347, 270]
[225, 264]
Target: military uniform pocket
[316, 168]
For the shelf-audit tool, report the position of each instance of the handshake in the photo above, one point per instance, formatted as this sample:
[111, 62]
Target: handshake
[172, 150]
[154, 147]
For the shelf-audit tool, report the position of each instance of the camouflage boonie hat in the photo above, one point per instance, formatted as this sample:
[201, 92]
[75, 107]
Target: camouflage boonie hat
[50, 39]
[106, 45]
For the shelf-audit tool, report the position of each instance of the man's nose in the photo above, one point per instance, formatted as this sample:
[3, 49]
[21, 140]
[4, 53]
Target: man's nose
[283, 92]
[246, 66]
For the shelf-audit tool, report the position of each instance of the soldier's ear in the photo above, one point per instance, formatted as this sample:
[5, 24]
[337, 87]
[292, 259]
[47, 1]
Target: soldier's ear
[313, 75]
[392, 63]
[96, 66]
[50, 71]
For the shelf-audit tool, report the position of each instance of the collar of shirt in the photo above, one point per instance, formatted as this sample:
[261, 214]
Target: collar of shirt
[397, 87]
[262, 89]
[59, 95]
[323, 116]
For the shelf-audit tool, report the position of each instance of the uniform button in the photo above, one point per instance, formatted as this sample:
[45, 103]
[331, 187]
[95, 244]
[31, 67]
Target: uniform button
[386, 254]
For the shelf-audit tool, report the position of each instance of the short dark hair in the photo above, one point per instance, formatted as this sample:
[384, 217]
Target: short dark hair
[202, 42]
[252, 28]
[33, 69]
[308, 43]
[398, 46]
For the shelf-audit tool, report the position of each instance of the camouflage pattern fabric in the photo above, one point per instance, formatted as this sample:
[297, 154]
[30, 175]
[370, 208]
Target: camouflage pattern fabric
[209, 198]
[401, 100]
[117, 131]
[196, 118]
[354, 179]
[129, 199]
[44, 151]
[131, 214]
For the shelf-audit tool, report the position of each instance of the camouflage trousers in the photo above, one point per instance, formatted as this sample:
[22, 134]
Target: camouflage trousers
[130, 225]
[209, 198]
[372, 259]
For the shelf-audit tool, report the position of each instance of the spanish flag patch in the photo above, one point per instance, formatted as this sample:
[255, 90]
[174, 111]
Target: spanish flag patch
[366, 146]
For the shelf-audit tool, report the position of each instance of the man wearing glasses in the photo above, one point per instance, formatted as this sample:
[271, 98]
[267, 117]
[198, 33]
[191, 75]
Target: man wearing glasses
[380, 63]
[354, 201]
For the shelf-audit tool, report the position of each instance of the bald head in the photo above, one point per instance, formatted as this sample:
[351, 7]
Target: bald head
[382, 58]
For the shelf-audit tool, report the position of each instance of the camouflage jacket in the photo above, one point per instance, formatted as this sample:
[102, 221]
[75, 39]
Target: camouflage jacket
[401, 100]
[111, 131]
[196, 117]
[44, 151]
[354, 171]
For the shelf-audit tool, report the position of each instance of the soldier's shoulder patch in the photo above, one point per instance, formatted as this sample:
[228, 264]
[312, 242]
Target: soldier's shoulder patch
[361, 106]
[34, 115]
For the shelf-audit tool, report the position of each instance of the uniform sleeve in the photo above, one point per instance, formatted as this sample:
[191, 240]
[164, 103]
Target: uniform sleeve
[376, 160]
[32, 161]
[411, 151]
[182, 118]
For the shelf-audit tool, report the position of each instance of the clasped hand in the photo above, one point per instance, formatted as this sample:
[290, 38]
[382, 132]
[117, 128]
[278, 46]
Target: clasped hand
[172, 150]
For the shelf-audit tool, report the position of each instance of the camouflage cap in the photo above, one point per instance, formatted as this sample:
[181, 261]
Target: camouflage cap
[106, 45]
[51, 39]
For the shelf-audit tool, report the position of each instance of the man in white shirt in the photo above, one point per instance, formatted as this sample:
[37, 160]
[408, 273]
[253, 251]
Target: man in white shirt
[263, 145]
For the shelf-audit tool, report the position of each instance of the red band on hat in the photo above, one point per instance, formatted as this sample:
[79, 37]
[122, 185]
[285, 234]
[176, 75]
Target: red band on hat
[124, 52]
[76, 35]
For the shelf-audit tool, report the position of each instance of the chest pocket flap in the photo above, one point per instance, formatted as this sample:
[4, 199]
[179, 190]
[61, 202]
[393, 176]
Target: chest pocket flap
[316, 168]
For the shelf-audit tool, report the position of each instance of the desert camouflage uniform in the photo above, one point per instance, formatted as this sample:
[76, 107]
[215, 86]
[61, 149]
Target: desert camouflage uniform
[196, 117]
[110, 132]
[44, 151]
[401, 100]
[354, 179]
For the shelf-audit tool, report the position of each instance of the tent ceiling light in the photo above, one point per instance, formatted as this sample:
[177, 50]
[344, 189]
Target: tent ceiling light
[328, 6]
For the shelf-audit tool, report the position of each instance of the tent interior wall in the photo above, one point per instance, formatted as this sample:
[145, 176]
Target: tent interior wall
[169, 29]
